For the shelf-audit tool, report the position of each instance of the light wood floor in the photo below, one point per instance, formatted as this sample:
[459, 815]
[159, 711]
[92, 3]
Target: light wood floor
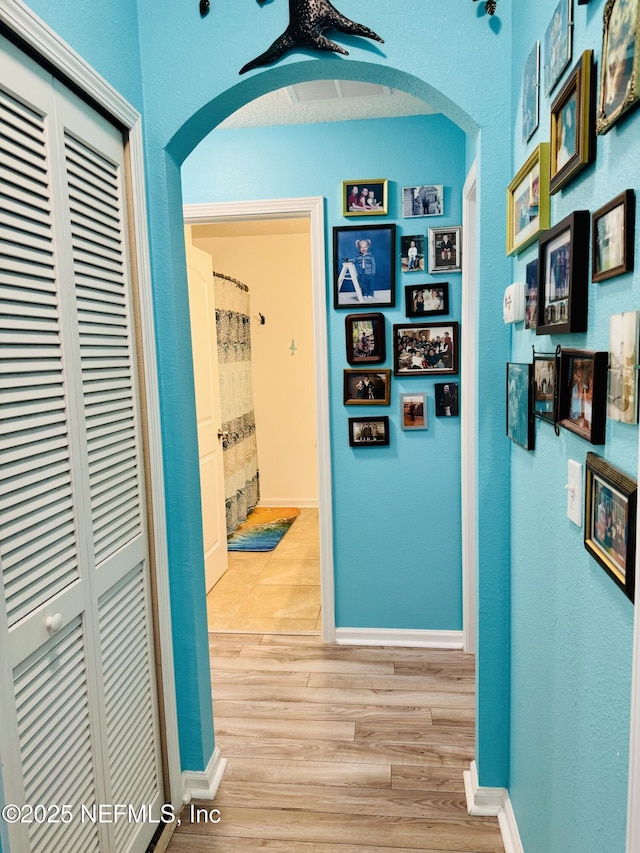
[339, 749]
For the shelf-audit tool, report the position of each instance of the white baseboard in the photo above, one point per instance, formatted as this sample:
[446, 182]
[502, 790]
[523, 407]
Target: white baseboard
[203, 784]
[492, 802]
[509, 829]
[398, 637]
[298, 503]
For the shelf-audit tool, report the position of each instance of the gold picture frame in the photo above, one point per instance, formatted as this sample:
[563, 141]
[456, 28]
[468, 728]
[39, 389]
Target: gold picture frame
[365, 197]
[620, 62]
[528, 201]
[572, 124]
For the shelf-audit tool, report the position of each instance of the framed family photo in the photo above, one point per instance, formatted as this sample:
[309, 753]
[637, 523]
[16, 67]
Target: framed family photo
[369, 432]
[445, 249]
[412, 253]
[545, 397]
[531, 295]
[367, 387]
[613, 237]
[426, 299]
[531, 93]
[557, 44]
[582, 396]
[365, 338]
[563, 266]
[365, 197]
[446, 395]
[422, 349]
[620, 62]
[528, 201]
[622, 390]
[610, 521]
[427, 200]
[573, 142]
[413, 411]
[364, 258]
[520, 421]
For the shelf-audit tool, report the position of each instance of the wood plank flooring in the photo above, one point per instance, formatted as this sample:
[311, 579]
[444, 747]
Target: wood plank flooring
[339, 749]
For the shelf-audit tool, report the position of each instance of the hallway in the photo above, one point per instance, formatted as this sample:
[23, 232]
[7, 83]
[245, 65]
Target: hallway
[340, 749]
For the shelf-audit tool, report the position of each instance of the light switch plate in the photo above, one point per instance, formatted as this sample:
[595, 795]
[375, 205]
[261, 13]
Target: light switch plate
[574, 492]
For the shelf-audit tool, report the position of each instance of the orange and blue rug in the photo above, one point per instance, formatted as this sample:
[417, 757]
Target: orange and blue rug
[263, 529]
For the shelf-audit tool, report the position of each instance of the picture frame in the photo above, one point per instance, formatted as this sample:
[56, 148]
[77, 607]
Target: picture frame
[365, 338]
[528, 201]
[369, 432]
[619, 62]
[557, 44]
[531, 93]
[545, 387]
[531, 295]
[519, 404]
[622, 380]
[426, 200]
[573, 139]
[367, 387]
[425, 349]
[445, 249]
[610, 506]
[364, 265]
[447, 399]
[582, 393]
[613, 237]
[426, 300]
[563, 268]
[413, 411]
[366, 197]
[412, 258]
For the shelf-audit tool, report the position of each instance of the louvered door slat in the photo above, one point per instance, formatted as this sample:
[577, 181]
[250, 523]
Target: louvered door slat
[34, 212]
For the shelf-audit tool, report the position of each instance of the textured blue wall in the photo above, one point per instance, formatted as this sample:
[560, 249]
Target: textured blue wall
[571, 626]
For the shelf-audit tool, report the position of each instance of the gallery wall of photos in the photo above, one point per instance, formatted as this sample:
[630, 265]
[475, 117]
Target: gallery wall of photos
[568, 387]
[381, 265]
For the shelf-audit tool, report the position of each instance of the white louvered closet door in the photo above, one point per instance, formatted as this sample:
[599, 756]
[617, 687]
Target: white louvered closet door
[78, 700]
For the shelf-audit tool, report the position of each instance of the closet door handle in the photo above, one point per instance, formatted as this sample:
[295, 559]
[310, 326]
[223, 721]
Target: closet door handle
[223, 433]
[53, 623]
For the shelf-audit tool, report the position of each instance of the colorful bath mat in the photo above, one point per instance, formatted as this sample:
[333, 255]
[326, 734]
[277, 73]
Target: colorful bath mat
[263, 529]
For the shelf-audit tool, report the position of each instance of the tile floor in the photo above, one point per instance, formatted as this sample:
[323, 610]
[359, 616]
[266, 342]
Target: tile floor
[276, 592]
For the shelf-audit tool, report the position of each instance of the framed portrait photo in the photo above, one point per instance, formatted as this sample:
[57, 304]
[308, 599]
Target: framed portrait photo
[369, 432]
[563, 266]
[622, 390]
[446, 394]
[528, 201]
[520, 421]
[531, 295]
[422, 349]
[557, 44]
[412, 253]
[367, 387]
[413, 411]
[613, 237]
[620, 62]
[365, 197]
[365, 338]
[582, 395]
[545, 387]
[531, 93]
[445, 249]
[427, 200]
[424, 300]
[573, 143]
[364, 265]
[610, 507]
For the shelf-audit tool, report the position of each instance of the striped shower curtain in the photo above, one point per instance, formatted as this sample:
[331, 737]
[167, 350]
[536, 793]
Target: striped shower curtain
[240, 456]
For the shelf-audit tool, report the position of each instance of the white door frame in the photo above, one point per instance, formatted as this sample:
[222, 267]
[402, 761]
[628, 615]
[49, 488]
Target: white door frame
[311, 208]
[633, 802]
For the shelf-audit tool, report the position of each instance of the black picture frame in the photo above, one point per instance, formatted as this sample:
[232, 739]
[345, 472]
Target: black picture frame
[563, 268]
[610, 506]
[582, 393]
[447, 399]
[367, 387]
[425, 349]
[613, 237]
[375, 283]
[520, 424]
[426, 300]
[369, 432]
[365, 338]
[545, 387]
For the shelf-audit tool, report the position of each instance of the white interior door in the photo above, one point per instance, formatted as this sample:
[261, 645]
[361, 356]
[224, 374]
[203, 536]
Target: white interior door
[207, 390]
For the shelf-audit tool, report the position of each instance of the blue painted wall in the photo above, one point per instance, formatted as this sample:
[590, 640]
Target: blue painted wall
[571, 626]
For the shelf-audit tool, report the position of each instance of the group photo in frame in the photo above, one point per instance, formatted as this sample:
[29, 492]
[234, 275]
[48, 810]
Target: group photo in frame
[421, 349]
[563, 267]
[446, 397]
[412, 253]
[423, 300]
[528, 200]
[557, 44]
[367, 387]
[413, 411]
[531, 295]
[531, 93]
[365, 338]
[369, 432]
[613, 237]
[582, 393]
[519, 398]
[619, 63]
[364, 265]
[365, 197]
[610, 506]
[545, 396]
[624, 350]
[573, 139]
[427, 200]
[445, 249]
